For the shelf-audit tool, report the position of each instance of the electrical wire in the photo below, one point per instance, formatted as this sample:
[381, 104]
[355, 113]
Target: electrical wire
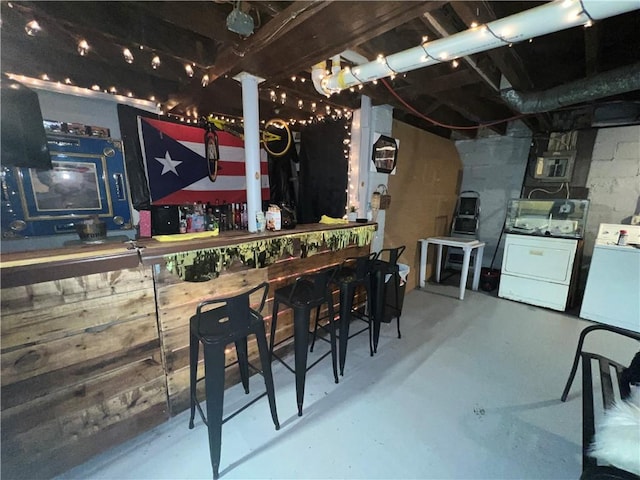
[562, 185]
[444, 125]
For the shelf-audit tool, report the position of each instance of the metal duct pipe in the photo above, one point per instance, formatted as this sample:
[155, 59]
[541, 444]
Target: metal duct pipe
[613, 82]
[542, 20]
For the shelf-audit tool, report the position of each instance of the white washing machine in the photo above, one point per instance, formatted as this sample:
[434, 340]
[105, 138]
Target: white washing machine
[538, 270]
[612, 294]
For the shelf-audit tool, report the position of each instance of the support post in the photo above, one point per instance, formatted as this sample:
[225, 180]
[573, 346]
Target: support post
[251, 116]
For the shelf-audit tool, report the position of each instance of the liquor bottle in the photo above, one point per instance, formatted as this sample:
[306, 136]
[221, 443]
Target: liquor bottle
[238, 217]
[245, 218]
[223, 217]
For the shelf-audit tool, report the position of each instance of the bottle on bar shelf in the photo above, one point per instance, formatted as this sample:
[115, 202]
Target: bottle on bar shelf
[238, 217]
[223, 217]
[245, 218]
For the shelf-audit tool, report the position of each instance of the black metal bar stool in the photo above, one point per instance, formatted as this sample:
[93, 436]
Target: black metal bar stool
[352, 273]
[229, 320]
[387, 304]
[309, 292]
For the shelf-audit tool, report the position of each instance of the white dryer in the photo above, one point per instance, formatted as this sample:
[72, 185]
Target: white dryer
[538, 270]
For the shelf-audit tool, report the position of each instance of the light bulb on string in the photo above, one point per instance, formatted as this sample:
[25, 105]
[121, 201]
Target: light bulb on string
[205, 80]
[300, 103]
[83, 47]
[68, 81]
[44, 76]
[32, 28]
[128, 56]
[155, 62]
[95, 88]
[189, 70]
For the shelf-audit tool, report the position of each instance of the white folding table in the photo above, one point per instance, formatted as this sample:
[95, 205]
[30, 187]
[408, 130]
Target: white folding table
[468, 245]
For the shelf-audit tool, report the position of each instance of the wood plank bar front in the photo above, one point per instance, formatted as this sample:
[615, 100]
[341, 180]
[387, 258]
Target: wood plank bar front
[94, 342]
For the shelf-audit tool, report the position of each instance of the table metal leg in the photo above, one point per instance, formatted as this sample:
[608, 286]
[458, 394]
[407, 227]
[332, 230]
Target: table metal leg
[477, 266]
[423, 262]
[465, 271]
[439, 263]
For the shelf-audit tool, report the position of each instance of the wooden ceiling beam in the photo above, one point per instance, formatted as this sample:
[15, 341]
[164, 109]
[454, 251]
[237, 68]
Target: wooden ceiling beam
[207, 19]
[295, 14]
[338, 27]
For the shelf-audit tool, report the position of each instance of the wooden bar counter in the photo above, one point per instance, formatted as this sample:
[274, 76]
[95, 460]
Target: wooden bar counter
[94, 338]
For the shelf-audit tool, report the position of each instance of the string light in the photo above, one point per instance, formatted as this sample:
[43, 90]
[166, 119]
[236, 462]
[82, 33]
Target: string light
[44, 76]
[455, 64]
[283, 98]
[205, 80]
[155, 62]
[83, 47]
[128, 56]
[95, 88]
[32, 28]
[300, 103]
[189, 70]
[68, 81]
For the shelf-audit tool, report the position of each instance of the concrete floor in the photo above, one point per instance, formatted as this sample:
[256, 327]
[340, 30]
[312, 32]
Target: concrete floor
[471, 391]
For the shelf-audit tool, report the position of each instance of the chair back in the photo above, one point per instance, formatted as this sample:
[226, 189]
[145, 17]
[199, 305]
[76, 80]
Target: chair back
[229, 314]
[355, 269]
[311, 289]
[391, 253]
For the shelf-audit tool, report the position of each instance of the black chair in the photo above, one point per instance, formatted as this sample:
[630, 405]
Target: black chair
[388, 295]
[309, 292]
[609, 372]
[230, 320]
[353, 272]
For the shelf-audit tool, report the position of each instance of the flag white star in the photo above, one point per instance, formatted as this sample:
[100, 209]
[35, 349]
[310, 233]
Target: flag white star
[168, 165]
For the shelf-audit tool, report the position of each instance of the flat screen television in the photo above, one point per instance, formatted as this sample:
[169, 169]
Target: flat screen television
[23, 142]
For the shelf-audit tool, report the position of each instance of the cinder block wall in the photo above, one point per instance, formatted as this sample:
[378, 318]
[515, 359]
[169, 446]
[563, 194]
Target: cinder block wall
[494, 167]
[614, 179]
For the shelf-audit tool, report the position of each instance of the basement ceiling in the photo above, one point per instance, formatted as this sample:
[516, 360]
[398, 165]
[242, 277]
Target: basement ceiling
[459, 98]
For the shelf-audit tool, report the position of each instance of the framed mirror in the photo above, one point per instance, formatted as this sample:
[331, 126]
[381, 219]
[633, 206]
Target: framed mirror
[385, 154]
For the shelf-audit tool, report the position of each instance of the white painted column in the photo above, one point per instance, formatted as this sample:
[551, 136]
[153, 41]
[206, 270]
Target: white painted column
[251, 116]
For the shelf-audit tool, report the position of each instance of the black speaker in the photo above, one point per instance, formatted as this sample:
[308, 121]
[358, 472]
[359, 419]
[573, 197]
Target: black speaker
[165, 220]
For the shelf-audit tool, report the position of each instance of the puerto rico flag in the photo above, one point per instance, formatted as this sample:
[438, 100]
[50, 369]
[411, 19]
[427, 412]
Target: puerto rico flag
[177, 170]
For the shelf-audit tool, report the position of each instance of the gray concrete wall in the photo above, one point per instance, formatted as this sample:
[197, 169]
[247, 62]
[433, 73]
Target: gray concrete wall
[614, 179]
[494, 166]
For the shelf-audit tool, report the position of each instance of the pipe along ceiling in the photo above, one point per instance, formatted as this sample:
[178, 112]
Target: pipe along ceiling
[535, 22]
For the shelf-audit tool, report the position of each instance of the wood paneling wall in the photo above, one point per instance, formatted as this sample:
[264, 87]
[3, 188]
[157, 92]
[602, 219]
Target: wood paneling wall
[423, 192]
[81, 369]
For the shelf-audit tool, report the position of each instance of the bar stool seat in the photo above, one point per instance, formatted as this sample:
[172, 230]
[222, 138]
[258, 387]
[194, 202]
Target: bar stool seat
[309, 292]
[228, 320]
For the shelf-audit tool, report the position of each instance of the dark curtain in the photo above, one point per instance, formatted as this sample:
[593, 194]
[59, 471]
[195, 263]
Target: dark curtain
[128, 118]
[323, 171]
[281, 187]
